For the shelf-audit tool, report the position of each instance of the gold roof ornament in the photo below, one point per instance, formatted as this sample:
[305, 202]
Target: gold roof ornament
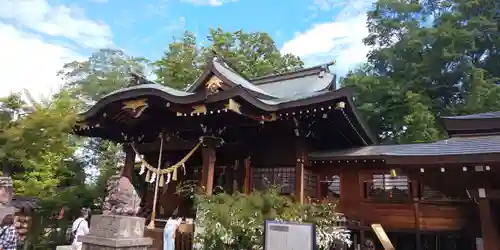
[135, 107]
[213, 84]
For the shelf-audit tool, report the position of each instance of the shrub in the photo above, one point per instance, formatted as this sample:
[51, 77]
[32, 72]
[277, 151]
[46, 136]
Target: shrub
[234, 222]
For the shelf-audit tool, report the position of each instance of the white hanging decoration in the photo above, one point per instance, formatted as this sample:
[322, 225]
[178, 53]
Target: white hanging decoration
[143, 169]
[174, 174]
[162, 180]
[153, 178]
[183, 168]
[168, 178]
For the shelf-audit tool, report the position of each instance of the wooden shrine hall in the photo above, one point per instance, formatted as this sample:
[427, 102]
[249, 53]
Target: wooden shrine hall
[296, 130]
[440, 195]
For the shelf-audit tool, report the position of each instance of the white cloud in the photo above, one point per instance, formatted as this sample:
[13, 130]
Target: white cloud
[27, 62]
[57, 21]
[348, 8]
[209, 2]
[339, 40]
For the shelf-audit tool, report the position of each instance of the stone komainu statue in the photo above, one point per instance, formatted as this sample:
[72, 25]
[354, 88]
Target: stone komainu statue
[6, 191]
[122, 199]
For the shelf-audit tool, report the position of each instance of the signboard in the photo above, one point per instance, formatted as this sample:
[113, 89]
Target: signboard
[382, 236]
[289, 236]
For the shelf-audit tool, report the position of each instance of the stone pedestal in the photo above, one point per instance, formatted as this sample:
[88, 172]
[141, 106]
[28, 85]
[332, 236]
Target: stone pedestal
[115, 232]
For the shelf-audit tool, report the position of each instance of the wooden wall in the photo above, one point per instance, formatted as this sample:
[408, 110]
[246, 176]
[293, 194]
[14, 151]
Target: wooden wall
[394, 215]
[431, 217]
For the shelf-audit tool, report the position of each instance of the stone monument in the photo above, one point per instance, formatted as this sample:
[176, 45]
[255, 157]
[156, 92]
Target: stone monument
[6, 193]
[118, 227]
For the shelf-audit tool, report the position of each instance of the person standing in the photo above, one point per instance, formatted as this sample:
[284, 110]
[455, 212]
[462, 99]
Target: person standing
[169, 232]
[8, 234]
[80, 227]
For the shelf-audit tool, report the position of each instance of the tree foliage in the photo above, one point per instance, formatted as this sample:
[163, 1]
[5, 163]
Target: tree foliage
[103, 72]
[37, 145]
[235, 221]
[251, 54]
[428, 58]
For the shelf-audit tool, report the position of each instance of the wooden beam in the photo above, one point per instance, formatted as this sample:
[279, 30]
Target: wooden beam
[299, 171]
[319, 178]
[207, 174]
[415, 185]
[488, 226]
[176, 144]
[128, 169]
[248, 176]
[173, 144]
[235, 175]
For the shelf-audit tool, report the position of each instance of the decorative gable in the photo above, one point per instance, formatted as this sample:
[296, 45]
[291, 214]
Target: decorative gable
[213, 85]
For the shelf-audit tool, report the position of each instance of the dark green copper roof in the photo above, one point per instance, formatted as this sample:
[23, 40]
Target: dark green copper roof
[453, 147]
[272, 93]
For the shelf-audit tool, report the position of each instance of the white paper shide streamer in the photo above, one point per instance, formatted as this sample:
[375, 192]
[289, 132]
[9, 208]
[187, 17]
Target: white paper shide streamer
[168, 178]
[153, 177]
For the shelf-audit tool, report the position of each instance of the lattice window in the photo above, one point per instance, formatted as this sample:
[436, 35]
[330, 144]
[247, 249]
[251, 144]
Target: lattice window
[385, 186]
[263, 178]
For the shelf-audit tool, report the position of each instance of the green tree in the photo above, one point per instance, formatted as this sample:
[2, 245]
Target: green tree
[103, 72]
[428, 58]
[37, 146]
[39, 152]
[251, 54]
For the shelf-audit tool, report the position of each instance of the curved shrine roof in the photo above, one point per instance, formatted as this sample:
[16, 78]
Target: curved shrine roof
[275, 92]
[266, 96]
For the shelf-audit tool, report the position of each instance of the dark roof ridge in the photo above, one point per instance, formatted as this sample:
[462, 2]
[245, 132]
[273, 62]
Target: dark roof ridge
[483, 115]
[291, 74]
[138, 79]
[224, 63]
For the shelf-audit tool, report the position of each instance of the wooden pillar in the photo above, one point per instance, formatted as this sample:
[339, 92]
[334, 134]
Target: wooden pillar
[248, 176]
[236, 176]
[299, 171]
[128, 169]
[488, 228]
[416, 209]
[207, 173]
[319, 194]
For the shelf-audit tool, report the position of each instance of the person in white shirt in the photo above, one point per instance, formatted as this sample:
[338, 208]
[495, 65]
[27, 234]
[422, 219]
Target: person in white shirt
[80, 227]
[169, 233]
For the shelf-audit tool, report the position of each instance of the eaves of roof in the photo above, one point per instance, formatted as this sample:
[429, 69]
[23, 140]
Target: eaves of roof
[452, 147]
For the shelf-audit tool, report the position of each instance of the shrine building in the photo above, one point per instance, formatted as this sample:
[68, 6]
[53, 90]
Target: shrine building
[297, 130]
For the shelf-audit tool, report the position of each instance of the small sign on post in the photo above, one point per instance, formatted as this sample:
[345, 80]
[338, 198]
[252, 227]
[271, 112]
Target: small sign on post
[382, 236]
[288, 235]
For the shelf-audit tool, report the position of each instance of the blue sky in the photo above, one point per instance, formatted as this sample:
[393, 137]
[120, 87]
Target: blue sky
[39, 36]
